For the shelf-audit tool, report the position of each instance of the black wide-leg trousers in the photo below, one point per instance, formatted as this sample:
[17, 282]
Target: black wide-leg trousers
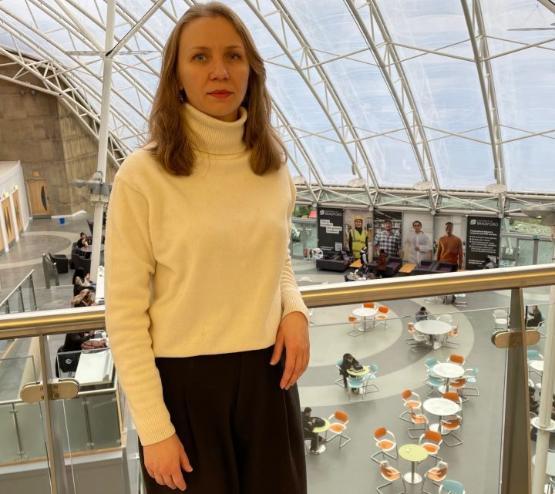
[242, 433]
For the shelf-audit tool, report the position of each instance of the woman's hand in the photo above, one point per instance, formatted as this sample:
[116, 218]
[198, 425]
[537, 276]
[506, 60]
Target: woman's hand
[293, 336]
[164, 461]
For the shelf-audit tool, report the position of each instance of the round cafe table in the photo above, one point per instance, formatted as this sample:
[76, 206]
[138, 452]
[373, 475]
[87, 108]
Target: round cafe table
[433, 328]
[440, 407]
[323, 428]
[413, 453]
[359, 373]
[365, 314]
[448, 370]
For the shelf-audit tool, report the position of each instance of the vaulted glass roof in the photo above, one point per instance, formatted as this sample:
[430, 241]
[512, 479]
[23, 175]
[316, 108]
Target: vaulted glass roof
[374, 96]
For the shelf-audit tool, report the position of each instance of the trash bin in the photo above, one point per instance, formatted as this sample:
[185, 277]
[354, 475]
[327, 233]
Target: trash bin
[62, 220]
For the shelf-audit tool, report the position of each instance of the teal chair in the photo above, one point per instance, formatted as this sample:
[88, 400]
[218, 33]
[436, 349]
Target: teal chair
[451, 487]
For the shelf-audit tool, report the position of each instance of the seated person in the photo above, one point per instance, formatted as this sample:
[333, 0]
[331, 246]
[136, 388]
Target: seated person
[309, 424]
[81, 280]
[68, 354]
[381, 266]
[535, 317]
[348, 363]
[422, 314]
[83, 240]
[85, 298]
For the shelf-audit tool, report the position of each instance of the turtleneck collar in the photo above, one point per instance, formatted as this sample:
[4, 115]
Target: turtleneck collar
[214, 136]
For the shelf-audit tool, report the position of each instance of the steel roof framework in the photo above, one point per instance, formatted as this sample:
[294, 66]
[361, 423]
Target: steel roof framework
[81, 98]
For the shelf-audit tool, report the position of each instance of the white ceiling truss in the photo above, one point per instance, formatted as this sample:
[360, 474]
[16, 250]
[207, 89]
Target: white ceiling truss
[74, 28]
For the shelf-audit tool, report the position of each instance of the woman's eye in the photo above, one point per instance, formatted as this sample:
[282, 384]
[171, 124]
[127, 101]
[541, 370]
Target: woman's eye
[235, 56]
[199, 57]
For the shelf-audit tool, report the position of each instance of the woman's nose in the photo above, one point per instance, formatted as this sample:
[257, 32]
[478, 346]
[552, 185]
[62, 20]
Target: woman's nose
[219, 70]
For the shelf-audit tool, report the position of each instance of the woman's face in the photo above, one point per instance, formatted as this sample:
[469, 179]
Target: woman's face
[212, 67]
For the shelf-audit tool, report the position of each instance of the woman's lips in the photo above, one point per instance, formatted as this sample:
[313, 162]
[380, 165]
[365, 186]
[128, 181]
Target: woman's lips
[220, 94]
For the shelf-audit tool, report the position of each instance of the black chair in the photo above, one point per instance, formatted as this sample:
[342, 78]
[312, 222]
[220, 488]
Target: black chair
[61, 261]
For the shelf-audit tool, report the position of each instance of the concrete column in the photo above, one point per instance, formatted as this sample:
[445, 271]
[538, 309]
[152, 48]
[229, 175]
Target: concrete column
[4, 231]
[14, 218]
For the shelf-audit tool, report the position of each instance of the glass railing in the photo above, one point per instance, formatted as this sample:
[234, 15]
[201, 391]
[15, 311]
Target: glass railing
[22, 298]
[468, 379]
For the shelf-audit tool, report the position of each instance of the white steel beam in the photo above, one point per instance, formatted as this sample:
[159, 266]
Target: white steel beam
[402, 96]
[478, 39]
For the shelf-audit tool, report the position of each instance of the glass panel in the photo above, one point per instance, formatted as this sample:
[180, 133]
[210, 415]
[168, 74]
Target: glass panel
[29, 417]
[517, 22]
[429, 24]
[304, 237]
[10, 450]
[525, 255]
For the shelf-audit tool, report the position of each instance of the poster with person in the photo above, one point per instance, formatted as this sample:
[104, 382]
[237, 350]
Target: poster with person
[358, 232]
[387, 232]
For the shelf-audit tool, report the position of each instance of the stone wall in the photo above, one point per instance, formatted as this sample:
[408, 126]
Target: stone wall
[38, 129]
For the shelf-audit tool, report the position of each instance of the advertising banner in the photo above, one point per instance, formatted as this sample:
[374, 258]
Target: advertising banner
[482, 242]
[330, 229]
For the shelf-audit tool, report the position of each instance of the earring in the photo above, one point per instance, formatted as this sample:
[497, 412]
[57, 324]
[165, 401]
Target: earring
[181, 96]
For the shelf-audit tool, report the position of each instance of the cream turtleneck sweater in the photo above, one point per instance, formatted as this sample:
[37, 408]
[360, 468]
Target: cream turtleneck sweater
[195, 265]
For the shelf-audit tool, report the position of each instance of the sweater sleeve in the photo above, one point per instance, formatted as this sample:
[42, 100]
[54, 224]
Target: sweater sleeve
[291, 299]
[130, 264]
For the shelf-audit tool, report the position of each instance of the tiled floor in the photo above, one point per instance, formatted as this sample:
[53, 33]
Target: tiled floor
[475, 463]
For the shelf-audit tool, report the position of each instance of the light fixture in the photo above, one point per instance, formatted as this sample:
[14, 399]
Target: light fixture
[356, 182]
[496, 188]
[423, 185]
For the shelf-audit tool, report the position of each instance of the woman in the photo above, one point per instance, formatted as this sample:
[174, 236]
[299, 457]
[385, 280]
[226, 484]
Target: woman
[348, 363]
[208, 350]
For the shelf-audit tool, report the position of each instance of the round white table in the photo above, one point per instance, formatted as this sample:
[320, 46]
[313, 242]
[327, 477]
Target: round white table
[448, 370]
[365, 313]
[433, 327]
[440, 407]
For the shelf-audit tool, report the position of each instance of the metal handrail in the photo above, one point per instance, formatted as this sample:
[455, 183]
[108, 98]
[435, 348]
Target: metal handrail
[72, 320]
[19, 285]
[515, 450]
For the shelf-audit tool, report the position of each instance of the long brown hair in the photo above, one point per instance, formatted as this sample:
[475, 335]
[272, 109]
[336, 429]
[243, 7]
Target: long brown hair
[167, 131]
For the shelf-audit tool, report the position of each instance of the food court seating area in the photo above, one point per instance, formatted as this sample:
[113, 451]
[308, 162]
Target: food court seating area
[437, 394]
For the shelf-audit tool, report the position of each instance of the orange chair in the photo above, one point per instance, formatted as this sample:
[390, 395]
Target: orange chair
[386, 442]
[382, 315]
[369, 305]
[411, 401]
[453, 396]
[390, 474]
[417, 418]
[455, 358]
[436, 474]
[431, 442]
[339, 421]
[448, 427]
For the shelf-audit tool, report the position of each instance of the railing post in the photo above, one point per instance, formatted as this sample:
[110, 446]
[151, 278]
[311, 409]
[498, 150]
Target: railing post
[33, 291]
[543, 422]
[55, 453]
[20, 291]
[515, 462]
[20, 452]
[46, 272]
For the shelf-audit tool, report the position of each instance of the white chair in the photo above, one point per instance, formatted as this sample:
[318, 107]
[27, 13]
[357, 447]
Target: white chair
[500, 319]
